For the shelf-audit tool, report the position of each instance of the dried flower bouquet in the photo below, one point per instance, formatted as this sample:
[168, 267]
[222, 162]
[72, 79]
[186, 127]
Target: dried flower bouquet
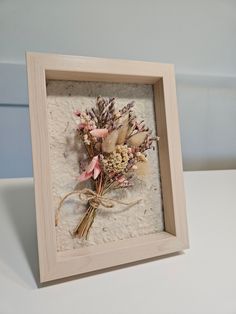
[116, 144]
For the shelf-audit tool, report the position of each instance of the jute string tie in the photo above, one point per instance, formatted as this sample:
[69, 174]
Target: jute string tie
[94, 199]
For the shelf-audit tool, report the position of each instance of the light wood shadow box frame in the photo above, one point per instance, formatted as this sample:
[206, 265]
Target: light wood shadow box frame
[174, 238]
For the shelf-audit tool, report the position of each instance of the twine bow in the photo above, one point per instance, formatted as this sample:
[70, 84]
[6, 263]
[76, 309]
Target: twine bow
[94, 199]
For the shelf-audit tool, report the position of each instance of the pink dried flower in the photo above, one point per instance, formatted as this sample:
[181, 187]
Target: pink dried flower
[81, 126]
[85, 176]
[93, 170]
[77, 113]
[120, 179]
[99, 133]
[87, 126]
[126, 183]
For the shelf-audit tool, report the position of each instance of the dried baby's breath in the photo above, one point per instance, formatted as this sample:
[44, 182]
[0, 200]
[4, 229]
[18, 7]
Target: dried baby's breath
[117, 161]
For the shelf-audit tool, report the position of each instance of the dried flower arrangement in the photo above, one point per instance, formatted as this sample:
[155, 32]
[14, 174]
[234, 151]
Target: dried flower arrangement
[116, 144]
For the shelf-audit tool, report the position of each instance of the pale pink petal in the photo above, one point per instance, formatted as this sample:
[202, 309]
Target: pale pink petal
[85, 176]
[121, 179]
[96, 171]
[78, 113]
[81, 126]
[99, 132]
[92, 164]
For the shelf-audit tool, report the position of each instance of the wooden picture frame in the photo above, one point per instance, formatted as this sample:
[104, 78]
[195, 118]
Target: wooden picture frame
[53, 264]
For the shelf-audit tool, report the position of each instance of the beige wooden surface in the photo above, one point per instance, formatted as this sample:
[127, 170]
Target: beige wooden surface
[54, 265]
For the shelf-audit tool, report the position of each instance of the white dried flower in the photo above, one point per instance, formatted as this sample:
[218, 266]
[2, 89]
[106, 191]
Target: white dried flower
[117, 114]
[117, 161]
[86, 139]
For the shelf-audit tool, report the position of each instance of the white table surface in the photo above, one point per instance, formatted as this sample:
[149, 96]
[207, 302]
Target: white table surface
[202, 280]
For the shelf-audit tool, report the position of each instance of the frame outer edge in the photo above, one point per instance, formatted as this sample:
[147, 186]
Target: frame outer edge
[50, 268]
[177, 165]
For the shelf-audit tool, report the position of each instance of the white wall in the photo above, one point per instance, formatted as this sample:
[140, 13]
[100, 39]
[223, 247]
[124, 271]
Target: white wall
[197, 36]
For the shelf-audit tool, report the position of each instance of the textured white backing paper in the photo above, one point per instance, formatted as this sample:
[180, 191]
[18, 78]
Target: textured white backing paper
[120, 222]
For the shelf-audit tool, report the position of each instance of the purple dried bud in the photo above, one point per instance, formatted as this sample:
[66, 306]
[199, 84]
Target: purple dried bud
[130, 105]
[111, 99]
[91, 114]
[111, 107]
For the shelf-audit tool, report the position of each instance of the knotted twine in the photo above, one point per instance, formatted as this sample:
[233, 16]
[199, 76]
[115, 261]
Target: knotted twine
[94, 199]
